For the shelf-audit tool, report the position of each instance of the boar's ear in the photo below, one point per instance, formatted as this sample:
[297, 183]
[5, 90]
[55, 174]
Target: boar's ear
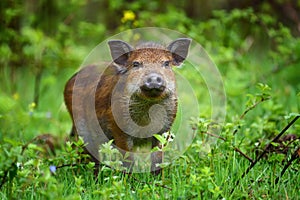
[119, 51]
[179, 49]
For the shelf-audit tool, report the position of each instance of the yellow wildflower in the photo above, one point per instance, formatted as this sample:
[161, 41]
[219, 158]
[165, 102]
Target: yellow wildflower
[32, 106]
[16, 96]
[128, 15]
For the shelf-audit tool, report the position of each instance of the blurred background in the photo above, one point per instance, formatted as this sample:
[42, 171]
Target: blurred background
[43, 42]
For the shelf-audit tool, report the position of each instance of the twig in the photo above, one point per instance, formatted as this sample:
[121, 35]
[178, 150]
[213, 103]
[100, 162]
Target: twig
[266, 150]
[253, 106]
[70, 165]
[268, 146]
[214, 135]
[243, 154]
[248, 109]
[294, 157]
[234, 148]
[288, 144]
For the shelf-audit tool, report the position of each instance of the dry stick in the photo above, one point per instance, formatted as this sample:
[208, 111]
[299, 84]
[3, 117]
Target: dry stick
[241, 117]
[214, 135]
[236, 130]
[287, 146]
[266, 149]
[250, 108]
[274, 140]
[253, 106]
[235, 148]
[240, 152]
[294, 157]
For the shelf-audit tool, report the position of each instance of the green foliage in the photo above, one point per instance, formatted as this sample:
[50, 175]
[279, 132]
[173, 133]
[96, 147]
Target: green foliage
[42, 45]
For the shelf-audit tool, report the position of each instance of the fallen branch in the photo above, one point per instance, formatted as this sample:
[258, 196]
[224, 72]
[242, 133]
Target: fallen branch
[266, 150]
[294, 157]
[234, 148]
[243, 154]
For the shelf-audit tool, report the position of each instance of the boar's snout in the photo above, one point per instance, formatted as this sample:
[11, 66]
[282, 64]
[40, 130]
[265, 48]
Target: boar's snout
[153, 85]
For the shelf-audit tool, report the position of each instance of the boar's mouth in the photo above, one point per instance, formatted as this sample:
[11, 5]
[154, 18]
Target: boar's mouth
[154, 92]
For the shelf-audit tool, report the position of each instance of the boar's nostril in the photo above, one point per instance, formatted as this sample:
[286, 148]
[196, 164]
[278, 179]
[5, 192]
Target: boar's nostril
[149, 80]
[154, 85]
[158, 79]
[154, 80]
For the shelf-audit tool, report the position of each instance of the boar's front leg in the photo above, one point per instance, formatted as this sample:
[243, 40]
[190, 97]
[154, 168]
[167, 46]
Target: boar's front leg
[122, 141]
[156, 157]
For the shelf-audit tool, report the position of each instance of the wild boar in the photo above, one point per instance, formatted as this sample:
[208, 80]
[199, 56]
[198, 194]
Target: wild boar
[131, 100]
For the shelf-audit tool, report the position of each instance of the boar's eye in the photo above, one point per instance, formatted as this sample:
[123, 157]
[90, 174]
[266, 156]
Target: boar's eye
[136, 64]
[166, 64]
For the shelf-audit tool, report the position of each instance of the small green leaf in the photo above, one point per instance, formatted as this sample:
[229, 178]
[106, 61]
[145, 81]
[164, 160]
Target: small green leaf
[291, 115]
[160, 138]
